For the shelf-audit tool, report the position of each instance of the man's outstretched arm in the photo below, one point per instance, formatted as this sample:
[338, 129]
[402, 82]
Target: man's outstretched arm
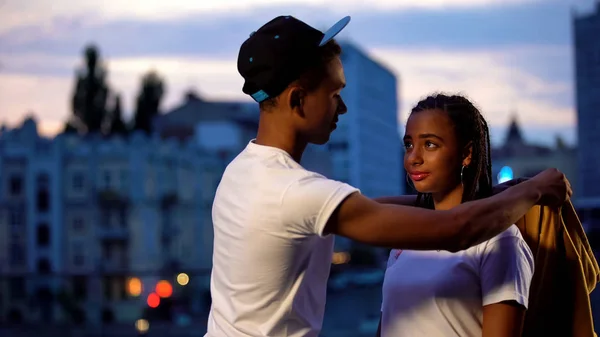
[395, 226]
[410, 200]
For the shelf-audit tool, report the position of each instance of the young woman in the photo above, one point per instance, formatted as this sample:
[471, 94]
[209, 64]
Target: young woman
[480, 291]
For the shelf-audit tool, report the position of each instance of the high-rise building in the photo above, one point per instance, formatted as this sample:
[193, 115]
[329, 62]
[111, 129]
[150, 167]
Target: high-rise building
[366, 149]
[366, 146]
[586, 37]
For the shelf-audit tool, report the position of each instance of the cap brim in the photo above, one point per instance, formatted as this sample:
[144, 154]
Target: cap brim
[334, 30]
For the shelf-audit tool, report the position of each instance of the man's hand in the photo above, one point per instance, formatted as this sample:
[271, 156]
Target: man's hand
[553, 186]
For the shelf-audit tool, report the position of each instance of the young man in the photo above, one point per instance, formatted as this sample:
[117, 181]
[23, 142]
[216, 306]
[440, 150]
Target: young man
[273, 219]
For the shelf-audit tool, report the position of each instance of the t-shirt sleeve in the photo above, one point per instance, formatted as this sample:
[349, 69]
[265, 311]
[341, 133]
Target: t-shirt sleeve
[308, 202]
[506, 269]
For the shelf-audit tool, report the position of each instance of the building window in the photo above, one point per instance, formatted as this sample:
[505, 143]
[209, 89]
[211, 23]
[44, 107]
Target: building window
[43, 266]
[16, 224]
[43, 196]
[43, 235]
[107, 287]
[105, 218]
[43, 200]
[77, 181]
[122, 217]
[106, 179]
[15, 185]
[124, 180]
[17, 255]
[107, 251]
[16, 218]
[17, 287]
[78, 224]
[80, 287]
[78, 260]
[78, 257]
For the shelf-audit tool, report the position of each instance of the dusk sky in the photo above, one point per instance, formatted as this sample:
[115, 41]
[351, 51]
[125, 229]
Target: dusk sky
[507, 55]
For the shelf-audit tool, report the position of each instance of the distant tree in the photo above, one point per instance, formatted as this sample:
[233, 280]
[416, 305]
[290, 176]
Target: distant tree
[148, 101]
[89, 99]
[117, 125]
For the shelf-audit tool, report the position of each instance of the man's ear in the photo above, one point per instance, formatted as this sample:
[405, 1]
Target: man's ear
[467, 154]
[295, 99]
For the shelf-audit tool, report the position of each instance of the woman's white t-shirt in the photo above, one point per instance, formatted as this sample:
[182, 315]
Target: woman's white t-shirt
[431, 293]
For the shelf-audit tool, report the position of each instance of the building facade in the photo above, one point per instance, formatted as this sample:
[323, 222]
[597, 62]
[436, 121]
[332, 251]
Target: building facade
[80, 216]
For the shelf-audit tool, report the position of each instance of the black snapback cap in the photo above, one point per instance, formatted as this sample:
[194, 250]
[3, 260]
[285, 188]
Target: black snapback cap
[278, 52]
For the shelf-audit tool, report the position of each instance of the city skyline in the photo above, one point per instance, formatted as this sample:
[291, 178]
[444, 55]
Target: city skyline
[508, 57]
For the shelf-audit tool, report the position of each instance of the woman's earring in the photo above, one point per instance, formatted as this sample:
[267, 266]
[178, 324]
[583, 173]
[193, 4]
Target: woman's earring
[461, 173]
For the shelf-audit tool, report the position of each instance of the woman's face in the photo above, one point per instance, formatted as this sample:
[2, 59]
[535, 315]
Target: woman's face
[432, 158]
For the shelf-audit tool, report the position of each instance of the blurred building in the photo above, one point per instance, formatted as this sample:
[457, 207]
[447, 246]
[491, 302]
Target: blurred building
[366, 147]
[518, 158]
[79, 216]
[225, 128]
[586, 37]
[366, 144]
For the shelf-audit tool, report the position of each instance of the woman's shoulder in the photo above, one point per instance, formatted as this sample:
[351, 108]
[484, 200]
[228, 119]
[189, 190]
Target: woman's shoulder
[512, 234]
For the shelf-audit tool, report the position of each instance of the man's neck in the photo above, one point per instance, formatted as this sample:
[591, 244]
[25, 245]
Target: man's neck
[270, 134]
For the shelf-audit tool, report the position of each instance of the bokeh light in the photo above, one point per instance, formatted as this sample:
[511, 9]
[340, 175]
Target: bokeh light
[506, 174]
[164, 289]
[142, 325]
[183, 279]
[134, 286]
[153, 300]
[340, 258]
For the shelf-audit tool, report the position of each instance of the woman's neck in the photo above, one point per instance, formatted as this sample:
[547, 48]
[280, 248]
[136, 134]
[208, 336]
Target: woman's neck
[447, 200]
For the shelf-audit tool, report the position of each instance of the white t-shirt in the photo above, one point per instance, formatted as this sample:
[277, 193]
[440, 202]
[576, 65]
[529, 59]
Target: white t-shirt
[442, 294]
[271, 261]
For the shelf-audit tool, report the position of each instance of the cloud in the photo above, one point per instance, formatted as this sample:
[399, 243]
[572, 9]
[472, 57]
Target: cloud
[490, 78]
[495, 80]
[36, 11]
[191, 27]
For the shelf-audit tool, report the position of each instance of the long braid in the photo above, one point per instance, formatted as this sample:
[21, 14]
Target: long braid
[471, 128]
